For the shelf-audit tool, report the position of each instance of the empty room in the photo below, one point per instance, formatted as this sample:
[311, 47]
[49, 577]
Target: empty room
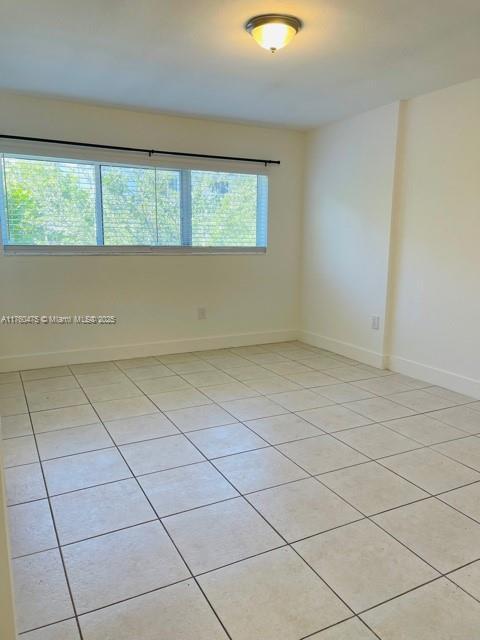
[240, 320]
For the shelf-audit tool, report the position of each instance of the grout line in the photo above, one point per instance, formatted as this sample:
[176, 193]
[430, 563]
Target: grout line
[269, 445]
[169, 536]
[54, 524]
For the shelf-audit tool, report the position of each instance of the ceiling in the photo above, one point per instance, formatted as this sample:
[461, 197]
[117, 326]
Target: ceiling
[193, 57]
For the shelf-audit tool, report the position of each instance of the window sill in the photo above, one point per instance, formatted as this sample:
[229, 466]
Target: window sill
[56, 250]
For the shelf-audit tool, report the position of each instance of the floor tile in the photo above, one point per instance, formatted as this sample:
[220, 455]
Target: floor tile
[180, 399]
[11, 390]
[193, 418]
[133, 363]
[126, 408]
[41, 400]
[344, 392]
[462, 418]
[376, 441]
[437, 611]
[41, 592]
[321, 363]
[468, 579]
[440, 535]
[12, 376]
[46, 372]
[31, 528]
[66, 630]
[232, 391]
[299, 400]
[63, 418]
[453, 396]
[321, 454]
[275, 596]
[12, 406]
[371, 488]
[84, 470]
[412, 383]
[160, 454]
[363, 564]
[383, 386]
[181, 609]
[283, 428]
[350, 373]
[380, 409]
[24, 483]
[149, 372]
[223, 441]
[304, 508]
[14, 426]
[430, 470]
[185, 488]
[51, 384]
[219, 534]
[117, 391]
[466, 451]
[258, 469]
[18, 451]
[101, 378]
[192, 366]
[419, 400]
[286, 368]
[466, 500]
[161, 385]
[208, 378]
[66, 442]
[169, 358]
[334, 418]
[92, 512]
[252, 408]
[92, 367]
[250, 372]
[311, 379]
[266, 358]
[274, 384]
[350, 630]
[424, 429]
[120, 565]
[127, 430]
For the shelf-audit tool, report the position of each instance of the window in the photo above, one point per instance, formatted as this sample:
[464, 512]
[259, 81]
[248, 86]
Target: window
[73, 205]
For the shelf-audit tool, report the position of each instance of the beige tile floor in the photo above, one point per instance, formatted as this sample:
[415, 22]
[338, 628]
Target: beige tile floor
[272, 492]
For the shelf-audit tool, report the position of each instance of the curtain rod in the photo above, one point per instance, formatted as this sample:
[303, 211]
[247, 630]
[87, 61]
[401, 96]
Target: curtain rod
[150, 152]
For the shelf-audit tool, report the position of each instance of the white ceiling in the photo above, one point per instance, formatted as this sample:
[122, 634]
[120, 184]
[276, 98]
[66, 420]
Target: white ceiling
[193, 56]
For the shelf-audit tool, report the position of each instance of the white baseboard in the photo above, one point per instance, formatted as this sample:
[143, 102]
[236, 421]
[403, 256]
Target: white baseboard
[77, 356]
[441, 377]
[346, 349]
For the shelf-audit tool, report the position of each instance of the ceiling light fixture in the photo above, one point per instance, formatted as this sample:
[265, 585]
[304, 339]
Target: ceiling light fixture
[273, 30]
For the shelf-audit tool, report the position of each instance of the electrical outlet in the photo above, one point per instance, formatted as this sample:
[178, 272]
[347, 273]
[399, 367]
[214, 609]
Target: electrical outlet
[375, 320]
[201, 313]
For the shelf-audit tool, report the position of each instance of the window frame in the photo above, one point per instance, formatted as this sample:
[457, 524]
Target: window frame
[99, 159]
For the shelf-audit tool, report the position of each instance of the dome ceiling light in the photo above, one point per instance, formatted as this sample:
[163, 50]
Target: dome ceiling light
[273, 30]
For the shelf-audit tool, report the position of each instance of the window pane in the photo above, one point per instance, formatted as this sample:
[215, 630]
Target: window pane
[224, 209]
[168, 207]
[128, 197]
[49, 202]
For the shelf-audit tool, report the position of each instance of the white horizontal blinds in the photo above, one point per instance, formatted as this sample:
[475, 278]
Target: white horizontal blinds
[168, 207]
[49, 202]
[224, 209]
[128, 199]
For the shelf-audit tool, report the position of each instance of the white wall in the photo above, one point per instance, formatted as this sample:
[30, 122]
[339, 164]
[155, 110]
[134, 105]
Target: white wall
[417, 262]
[249, 298]
[435, 294]
[350, 172]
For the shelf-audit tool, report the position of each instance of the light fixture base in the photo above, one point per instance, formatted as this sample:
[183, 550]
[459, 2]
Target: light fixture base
[273, 30]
